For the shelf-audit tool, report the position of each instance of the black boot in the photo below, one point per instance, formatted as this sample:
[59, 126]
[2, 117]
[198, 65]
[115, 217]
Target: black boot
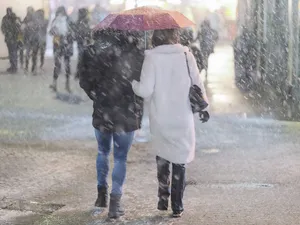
[177, 190]
[115, 210]
[163, 176]
[102, 197]
[53, 86]
[163, 204]
[68, 89]
[12, 70]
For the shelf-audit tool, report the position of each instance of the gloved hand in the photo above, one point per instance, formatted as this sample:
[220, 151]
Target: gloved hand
[204, 116]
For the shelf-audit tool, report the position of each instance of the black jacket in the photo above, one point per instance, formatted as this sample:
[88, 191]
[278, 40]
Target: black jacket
[187, 39]
[82, 31]
[10, 27]
[38, 29]
[29, 32]
[208, 38]
[82, 27]
[106, 76]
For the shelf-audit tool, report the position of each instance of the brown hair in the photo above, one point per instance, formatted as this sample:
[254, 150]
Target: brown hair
[165, 37]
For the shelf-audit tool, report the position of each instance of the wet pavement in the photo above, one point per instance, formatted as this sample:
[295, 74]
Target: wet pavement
[246, 169]
[30, 111]
[225, 97]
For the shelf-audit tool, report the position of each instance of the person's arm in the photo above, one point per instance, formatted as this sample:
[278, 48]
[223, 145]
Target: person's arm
[145, 87]
[52, 27]
[198, 36]
[25, 21]
[86, 78]
[46, 23]
[18, 24]
[195, 75]
[72, 28]
[3, 26]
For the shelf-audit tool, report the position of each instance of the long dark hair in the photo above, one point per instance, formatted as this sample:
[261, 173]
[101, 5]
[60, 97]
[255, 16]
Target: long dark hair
[83, 14]
[165, 37]
[123, 39]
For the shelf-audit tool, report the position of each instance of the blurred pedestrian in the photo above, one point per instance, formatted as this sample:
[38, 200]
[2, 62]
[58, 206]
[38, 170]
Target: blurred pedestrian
[36, 41]
[11, 29]
[42, 31]
[28, 27]
[109, 66]
[187, 39]
[62, 30]
[82, 34]
[165, 81]
[208, 38]
[98, 14]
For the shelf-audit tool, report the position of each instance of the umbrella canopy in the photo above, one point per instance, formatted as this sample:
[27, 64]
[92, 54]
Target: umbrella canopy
[143, 19]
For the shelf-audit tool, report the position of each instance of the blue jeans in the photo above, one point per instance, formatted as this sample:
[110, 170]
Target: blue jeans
[122, 143]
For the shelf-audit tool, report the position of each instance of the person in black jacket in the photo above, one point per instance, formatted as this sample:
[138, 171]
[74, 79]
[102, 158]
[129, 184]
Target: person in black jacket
[208, 38]
[109, 66]
[11, 28]
[82, 34]
[37, 40]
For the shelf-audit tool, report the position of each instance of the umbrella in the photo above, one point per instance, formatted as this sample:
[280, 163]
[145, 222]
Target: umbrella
[144, 19]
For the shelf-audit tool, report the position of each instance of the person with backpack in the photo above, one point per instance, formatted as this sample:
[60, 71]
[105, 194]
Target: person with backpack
[109, 66]
[11, 29]
[62, 30]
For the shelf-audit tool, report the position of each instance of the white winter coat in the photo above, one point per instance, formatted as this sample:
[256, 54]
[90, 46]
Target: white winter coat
[165, 83]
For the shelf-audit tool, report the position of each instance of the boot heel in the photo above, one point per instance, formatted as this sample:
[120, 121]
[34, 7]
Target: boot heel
[163, 204]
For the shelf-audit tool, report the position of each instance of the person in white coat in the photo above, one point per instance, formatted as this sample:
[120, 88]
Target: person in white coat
[165, 83]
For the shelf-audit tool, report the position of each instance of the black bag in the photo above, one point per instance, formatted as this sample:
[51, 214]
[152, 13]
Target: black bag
[198, 104]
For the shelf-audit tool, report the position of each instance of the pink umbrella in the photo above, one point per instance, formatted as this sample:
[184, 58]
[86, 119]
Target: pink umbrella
[143, 19]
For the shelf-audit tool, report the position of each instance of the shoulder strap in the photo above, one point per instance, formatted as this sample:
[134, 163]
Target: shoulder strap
[188, 68]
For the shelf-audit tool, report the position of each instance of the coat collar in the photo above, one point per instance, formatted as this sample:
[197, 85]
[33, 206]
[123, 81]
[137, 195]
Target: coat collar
[168, 49]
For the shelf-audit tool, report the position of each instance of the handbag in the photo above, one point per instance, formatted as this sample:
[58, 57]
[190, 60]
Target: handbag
[197, 101]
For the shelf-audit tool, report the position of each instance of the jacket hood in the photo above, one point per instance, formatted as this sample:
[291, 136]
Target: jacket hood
[168, 49]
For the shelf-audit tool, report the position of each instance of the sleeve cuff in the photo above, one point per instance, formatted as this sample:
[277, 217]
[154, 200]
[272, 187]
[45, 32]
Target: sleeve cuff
[134, 82]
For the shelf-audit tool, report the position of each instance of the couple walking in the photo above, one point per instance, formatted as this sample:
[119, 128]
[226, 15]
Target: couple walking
[117, 76]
